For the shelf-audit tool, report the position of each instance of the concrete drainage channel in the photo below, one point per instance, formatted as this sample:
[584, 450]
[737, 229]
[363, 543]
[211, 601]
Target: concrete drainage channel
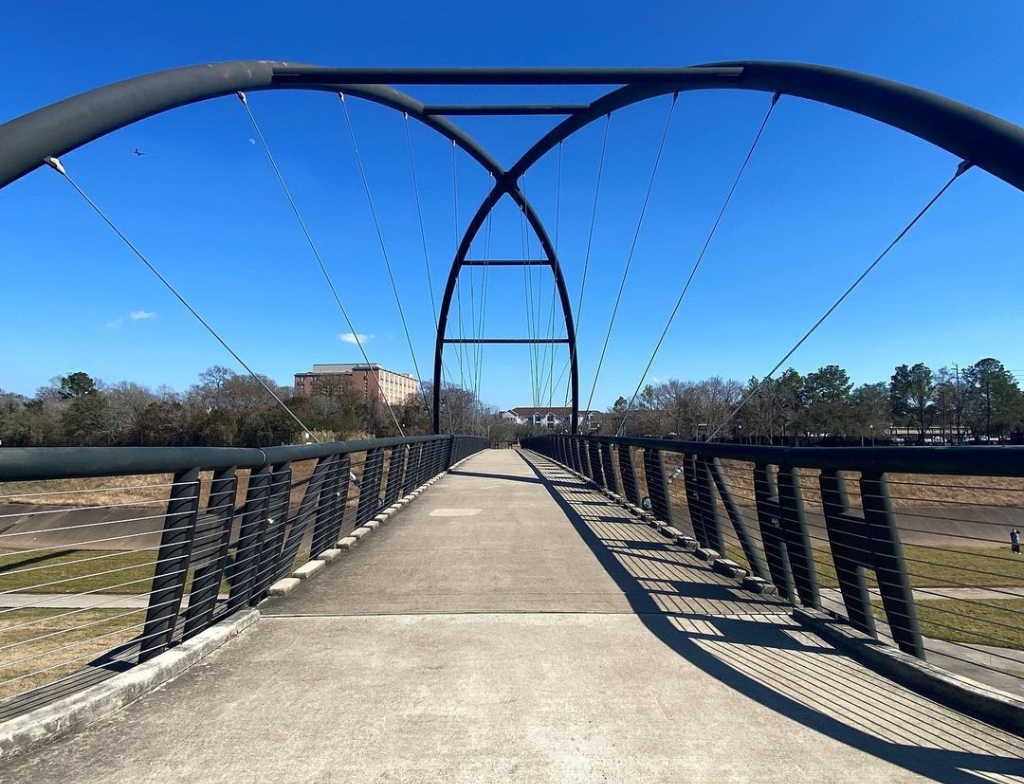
[958, 692]
[75, 712]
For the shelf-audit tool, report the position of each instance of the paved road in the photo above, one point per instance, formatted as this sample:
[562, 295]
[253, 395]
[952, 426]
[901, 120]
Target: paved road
[513, 626]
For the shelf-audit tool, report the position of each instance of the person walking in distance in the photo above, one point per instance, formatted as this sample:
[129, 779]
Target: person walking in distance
[1015, 541]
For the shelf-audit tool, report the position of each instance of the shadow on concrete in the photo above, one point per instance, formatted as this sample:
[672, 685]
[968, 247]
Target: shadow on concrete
[752, 645]
[507, 477]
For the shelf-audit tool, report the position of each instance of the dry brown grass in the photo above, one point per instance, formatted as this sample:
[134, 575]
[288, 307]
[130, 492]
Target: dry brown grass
[906, 490]
[140, 489]
[42, 645]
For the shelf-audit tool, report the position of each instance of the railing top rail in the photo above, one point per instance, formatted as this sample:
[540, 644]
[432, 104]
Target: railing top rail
[960, 460]
[25, 463]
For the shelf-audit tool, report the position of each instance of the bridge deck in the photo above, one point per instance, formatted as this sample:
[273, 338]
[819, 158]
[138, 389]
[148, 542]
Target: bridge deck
[512, 625]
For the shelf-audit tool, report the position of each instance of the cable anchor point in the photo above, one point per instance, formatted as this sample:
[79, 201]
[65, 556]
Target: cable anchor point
[55, 164]
[242, 98]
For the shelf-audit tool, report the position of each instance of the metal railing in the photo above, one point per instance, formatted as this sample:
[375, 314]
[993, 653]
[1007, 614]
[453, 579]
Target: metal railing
[911, 545]
[110, 556]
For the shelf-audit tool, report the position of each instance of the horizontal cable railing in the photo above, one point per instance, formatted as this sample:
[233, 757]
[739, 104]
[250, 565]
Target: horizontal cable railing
[912, 545]
[110, 556]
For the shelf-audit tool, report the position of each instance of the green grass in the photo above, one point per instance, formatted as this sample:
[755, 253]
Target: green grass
[998, 622]
[931, 568]
[77, 571]
[82, 571]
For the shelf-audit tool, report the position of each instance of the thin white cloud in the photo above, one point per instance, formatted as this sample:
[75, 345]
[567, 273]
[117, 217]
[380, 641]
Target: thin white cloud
[115, 323]
[354, 337]
[140, 315]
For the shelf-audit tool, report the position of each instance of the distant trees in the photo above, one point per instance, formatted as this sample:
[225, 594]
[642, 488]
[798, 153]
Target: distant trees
[993, 403]
[223, 408]
[981, 402]
[911, 396]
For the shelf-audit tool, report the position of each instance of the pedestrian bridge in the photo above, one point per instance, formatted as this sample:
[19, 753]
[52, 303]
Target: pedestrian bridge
[580, 608]
[511, 622]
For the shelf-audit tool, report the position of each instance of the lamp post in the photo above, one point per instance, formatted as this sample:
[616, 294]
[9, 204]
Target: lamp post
[872, 429]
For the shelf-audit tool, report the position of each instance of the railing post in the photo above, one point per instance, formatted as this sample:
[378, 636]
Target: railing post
[694, 500]
[657, 485]
[396, 473]
[413, 468]
[890, 565]
[171, 568]
[870, 542]
[449, 447]
[627, 469]
[250, 539]
[575, 462]
[851, 550]
[769, 517]
[608, 469]
[739, 523]
[210, 552]
[798, 537]
[330, 508]
[300, 520]
[709, 509]
[272, 542]
[594, 457]
[369, 486]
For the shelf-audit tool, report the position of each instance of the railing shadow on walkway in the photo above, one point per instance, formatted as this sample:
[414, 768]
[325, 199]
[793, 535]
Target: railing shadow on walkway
[754, 646]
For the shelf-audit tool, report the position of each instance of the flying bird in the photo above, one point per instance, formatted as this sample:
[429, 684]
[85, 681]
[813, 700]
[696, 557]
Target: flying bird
[139, 152]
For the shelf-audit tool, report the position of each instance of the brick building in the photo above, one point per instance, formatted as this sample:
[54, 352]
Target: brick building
[375, 382]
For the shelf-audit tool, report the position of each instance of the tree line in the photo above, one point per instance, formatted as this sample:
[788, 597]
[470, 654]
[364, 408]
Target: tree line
[223, 408]
[979, 403]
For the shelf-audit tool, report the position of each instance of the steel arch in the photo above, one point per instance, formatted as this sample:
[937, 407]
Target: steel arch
[984, 140]
[54, 130]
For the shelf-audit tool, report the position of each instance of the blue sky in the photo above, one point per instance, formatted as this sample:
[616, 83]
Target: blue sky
[824, 193]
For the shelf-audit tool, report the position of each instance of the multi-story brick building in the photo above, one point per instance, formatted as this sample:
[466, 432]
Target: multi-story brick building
[374, 381]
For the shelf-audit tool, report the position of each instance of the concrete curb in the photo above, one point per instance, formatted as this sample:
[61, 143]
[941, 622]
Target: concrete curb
[283, 586]
[75, 712]
[960, 693]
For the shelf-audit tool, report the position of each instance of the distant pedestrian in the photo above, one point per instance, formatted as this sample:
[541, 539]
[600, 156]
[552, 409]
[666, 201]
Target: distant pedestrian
[1015, 541]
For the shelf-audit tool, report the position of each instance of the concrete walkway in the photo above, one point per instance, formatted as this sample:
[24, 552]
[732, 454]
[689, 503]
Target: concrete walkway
[513, 626]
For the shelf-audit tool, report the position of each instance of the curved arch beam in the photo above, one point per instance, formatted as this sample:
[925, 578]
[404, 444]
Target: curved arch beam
[74, 122]
[506, 185]
[69, 124]
[981, 138]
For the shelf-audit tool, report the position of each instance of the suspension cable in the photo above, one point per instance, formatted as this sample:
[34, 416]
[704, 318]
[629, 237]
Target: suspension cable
[524, 239]
[419, 215]
[700, 257]
[483, 287]
[960, 169]
[632, 248]
[316, 254]
[380, 239]
[590, 245]
[57, 166]
[554, 288]
[460, 350]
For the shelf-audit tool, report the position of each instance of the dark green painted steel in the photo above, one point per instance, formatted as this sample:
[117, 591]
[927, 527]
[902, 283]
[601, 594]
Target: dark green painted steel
[627, 470]
[171, 569]
[773, 538]
[210, 552]
[657, 486]
[857, 540]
